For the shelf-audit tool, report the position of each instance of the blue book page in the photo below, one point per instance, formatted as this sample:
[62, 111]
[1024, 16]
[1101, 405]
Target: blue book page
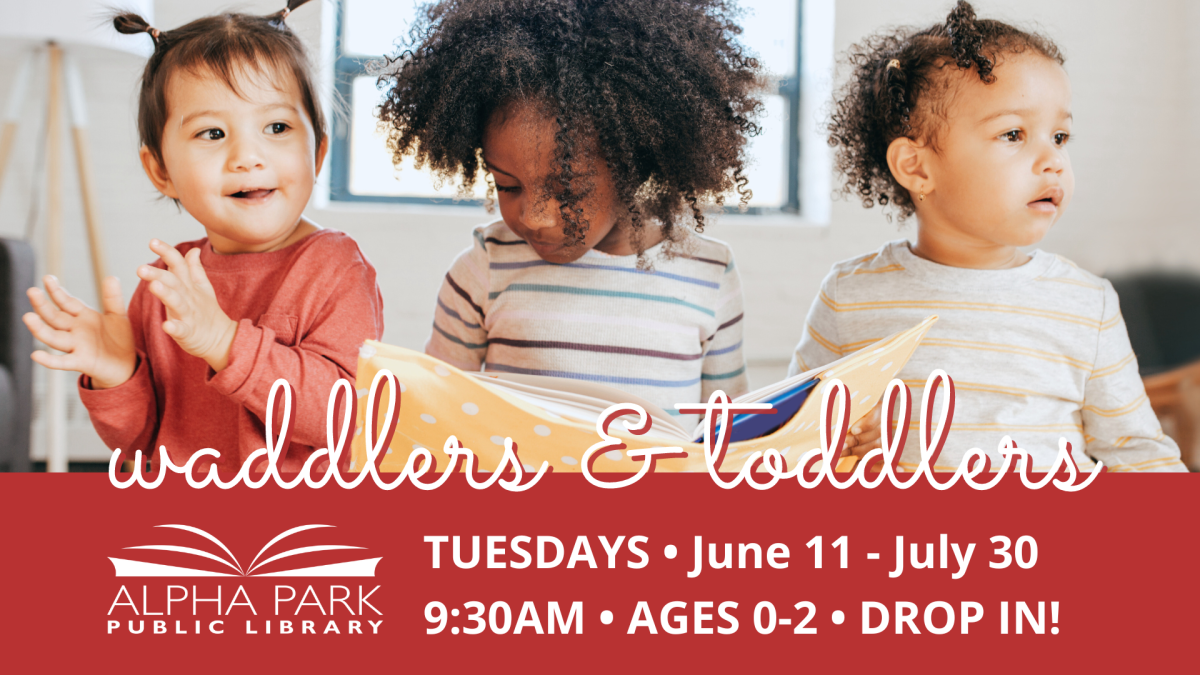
[756, 425]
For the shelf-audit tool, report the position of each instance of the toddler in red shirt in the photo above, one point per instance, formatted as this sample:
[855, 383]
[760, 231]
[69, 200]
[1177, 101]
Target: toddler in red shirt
[231, 129]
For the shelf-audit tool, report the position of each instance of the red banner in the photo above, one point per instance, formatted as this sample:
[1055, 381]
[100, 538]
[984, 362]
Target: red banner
[788, 577]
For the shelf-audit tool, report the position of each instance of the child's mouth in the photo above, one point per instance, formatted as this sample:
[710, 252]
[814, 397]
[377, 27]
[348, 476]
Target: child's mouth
[256, 195]
[1049, 201]
[1043, 206]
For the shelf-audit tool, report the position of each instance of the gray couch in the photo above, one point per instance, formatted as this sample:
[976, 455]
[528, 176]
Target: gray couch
[16, 369]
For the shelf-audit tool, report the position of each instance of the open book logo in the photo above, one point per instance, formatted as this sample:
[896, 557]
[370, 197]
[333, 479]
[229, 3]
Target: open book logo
[351, 568]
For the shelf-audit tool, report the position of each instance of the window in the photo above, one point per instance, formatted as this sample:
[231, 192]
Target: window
[361, 167]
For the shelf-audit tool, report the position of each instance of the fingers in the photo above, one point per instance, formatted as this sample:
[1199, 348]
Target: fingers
[55, 361]
[177, 287]
[865, 433]
[152, 273]
[866, 429]
[67, 302]
[110, 297]
[868, 437]
[196, 270]
[171, 298]
[55, 339]
[171, 257]
[47, 310]
[165, 286]
[177, 329]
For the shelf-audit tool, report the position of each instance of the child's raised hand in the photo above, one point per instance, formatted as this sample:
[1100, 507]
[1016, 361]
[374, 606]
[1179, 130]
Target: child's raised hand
[864, 434]
[194, 317]
[99, 345]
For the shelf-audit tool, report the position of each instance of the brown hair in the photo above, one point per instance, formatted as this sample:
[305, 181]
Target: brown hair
[221, 44]
[898, 87]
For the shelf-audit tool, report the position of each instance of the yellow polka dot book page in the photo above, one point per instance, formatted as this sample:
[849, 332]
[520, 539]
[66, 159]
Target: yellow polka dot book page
[438, 400]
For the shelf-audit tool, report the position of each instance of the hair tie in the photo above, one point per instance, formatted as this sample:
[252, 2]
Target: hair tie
[282, 15]
[894, 63]
[154, 33]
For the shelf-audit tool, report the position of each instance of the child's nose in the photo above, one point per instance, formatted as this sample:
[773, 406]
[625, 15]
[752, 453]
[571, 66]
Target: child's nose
[539, 214]
[1051, 160]
[244, 155]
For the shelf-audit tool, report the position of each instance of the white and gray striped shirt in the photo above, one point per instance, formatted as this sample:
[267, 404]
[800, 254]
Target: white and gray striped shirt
[670, 335]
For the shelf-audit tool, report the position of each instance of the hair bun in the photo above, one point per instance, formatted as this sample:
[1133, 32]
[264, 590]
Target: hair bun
[966, 40]
[130, 24]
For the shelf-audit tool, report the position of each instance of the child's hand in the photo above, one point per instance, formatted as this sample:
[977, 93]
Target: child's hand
[194, 317]
[97, 345]
[864, 434]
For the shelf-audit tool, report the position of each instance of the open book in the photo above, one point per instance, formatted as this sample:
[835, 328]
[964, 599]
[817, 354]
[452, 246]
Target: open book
[586, 401]
[554, 419]
[137, 568]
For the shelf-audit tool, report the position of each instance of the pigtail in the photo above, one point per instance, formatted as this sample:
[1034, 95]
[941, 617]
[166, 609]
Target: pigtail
[129, 23]
[279, 17]
[966, 41]
[894, 101]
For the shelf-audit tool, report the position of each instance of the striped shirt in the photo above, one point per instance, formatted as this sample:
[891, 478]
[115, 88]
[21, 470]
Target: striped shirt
[671, 335]
[1037, 352]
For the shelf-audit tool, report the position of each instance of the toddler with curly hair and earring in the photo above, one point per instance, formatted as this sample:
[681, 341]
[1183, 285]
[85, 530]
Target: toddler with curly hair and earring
[603, 126]
[965, 125]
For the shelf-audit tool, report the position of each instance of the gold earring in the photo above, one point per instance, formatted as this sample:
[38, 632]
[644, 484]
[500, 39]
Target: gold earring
[921, 196]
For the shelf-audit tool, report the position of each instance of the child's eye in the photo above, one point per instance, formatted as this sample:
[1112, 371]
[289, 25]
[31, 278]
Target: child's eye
[211, 134]
[1013, 136]
[507, 188]
[276, 128]
[1061, 138]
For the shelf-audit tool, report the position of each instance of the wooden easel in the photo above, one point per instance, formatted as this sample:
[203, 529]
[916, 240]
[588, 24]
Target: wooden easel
[56, 450]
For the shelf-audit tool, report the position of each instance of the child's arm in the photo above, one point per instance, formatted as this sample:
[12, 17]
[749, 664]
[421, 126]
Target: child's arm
[344, 313]
[459, 336]
[1118, 423]
[724, 363]
[820, 346]
[819, 343]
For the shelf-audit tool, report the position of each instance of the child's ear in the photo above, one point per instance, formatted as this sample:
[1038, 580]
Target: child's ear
[908, 163]
[321, 150]
[157, 173]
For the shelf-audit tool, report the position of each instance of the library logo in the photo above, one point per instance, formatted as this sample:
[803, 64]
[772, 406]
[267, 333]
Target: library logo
[219, 597]
[353, 568]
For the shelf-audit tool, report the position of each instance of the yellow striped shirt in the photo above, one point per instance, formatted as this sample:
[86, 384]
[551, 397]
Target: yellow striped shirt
[1037, 352]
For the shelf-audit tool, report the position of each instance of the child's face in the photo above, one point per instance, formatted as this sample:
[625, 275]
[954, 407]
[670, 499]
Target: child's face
[519, 149]
[243, 165]
[1001, 175]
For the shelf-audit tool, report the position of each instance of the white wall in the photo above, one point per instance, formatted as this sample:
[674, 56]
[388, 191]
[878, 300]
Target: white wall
[1135, 72]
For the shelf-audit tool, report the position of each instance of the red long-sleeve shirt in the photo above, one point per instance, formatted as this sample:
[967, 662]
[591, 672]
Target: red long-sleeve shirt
[302, 313]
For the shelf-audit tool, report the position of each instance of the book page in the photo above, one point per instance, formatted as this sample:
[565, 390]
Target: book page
[586, 408]
[439, 401]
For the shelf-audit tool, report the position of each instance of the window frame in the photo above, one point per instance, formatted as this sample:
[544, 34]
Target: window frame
[349, 67]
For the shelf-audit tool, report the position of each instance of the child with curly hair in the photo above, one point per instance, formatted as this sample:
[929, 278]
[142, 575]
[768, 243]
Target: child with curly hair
[965, 125]
[603, 126]
[232, 130]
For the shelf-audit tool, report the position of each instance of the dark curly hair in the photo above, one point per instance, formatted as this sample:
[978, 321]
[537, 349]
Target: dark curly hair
[661, 87]
[898, 87]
